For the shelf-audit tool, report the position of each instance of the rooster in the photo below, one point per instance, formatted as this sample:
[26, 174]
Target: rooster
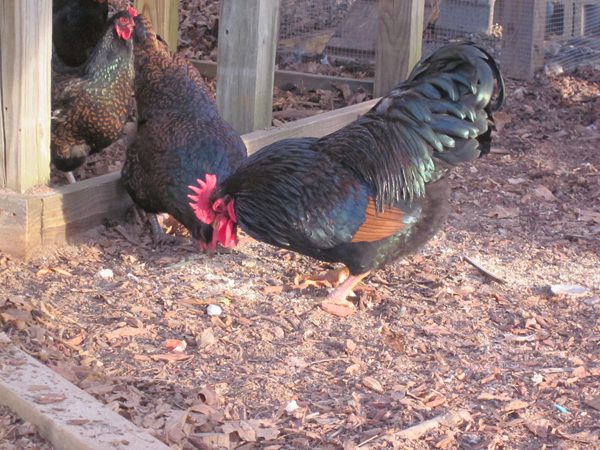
[77, 26]
[373, 191]
[89, 110]
[180, 134]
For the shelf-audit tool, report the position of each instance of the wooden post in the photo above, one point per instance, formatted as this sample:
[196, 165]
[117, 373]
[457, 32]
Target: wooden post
[399, 40]
[523, 43]
[25, 52]
[164, 15]
[247, 45]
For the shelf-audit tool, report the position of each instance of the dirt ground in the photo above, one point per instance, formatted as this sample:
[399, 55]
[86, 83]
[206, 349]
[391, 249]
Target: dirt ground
[512, 363]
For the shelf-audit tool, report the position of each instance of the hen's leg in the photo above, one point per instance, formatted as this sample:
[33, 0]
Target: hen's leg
[331, 278]
[70, 177]
[159, 235]
[339, 296]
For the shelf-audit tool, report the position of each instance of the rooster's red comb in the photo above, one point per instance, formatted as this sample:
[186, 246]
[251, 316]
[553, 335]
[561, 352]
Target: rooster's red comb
[132, 11]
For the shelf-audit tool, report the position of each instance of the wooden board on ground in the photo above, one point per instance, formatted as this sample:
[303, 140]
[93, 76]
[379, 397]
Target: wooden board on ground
[67, 416]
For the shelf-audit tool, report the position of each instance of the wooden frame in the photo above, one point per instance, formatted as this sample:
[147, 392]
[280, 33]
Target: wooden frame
[25, 53]
[29, 223]
[164, 15]
[248, 44]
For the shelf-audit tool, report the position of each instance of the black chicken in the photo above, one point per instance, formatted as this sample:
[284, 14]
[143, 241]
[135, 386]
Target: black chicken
[180, 134]
[374, 190]
[77, 26]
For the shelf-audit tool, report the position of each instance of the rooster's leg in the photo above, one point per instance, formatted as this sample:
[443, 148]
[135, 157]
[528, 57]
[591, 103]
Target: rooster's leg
[70, 177]
[331, 278]
[340, 295]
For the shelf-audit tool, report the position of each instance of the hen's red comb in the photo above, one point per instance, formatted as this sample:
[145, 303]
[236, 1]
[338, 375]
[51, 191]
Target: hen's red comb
[200, 202]
[132, 11]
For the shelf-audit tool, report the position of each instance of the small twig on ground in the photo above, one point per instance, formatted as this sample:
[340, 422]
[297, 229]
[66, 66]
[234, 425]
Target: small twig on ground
[321, 361]
[486, 272]
[452, 418]
[119, 229]
[282, 323]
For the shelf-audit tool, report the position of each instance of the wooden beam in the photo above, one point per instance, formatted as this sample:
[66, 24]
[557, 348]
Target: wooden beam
[76, 208]
[68, 417]
[523, 38]
[315, 126]
[301, 81]
[164, 15]
[25, 52]
[399, 39]
[247, 45]
[20, 225]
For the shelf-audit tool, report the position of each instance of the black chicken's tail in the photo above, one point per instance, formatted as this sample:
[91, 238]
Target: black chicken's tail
[439, 117]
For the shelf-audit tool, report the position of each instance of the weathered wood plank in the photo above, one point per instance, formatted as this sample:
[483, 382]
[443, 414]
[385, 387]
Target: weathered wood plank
[302, 81]
[71, 419]
[399, 39]
[164, 15]
[247, 45]
[316, 126]
[20, 225]
[76, 208]
[25, 52]
[523, 43]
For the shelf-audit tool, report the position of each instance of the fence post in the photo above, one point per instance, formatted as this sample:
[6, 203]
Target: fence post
[523, 38]
[25, 52]
[246, 62]
[164, 15]
[399, 39]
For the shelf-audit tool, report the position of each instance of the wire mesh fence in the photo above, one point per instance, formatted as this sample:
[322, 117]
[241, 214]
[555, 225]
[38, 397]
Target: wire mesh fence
[345, 31]
[572, 33]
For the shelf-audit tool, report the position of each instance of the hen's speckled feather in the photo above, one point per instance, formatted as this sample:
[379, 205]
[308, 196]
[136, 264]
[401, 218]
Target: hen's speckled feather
[90, 107]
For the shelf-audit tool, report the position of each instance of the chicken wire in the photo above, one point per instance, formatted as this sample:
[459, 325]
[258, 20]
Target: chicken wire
[572, 34]
[345, 31]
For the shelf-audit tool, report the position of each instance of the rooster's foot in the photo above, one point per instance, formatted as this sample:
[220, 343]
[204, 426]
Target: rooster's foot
[337, 302]
[331, 278]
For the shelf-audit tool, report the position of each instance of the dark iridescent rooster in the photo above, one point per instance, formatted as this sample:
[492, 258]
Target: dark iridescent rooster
[374, 190]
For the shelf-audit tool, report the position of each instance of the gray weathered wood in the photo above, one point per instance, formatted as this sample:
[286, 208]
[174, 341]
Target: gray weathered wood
[25, 52]
[247, 45]
[523, 43]
[71, 419]
[399, 39]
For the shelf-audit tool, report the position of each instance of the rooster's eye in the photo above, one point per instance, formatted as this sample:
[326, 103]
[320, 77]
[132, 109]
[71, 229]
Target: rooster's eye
[123, 20]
